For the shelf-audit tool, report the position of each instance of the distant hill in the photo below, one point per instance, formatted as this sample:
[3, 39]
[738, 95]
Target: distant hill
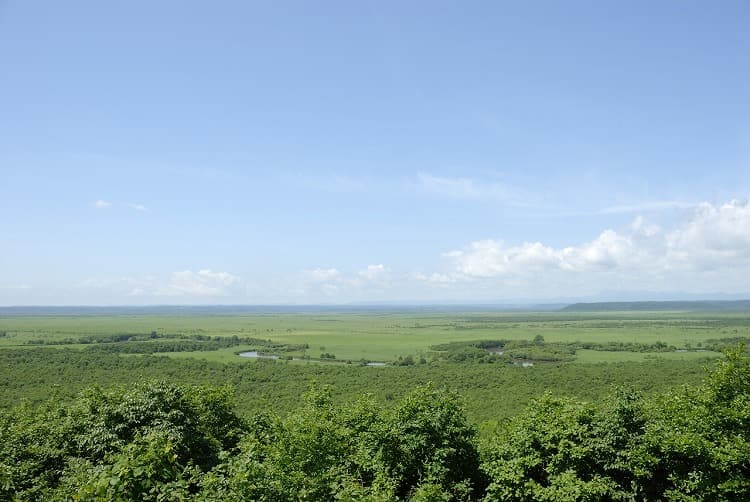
[693, 306]
[223, 310]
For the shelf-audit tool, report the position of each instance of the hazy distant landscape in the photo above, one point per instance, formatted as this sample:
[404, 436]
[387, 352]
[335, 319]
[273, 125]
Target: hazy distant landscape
[428, 341]
[483, 373]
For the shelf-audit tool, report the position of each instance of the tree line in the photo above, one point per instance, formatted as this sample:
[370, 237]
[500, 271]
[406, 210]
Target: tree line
[164, 441]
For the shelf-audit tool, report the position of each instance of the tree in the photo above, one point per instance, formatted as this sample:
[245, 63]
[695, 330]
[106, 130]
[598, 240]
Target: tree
[688, 444]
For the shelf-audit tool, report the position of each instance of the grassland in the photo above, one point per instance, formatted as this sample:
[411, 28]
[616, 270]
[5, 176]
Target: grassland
[386, 336]
[42, 355]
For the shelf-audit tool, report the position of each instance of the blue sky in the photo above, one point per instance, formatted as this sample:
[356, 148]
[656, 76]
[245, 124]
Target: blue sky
[331, 152]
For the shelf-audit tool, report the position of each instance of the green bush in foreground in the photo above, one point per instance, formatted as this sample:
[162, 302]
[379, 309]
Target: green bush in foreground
[162, 441]
[358, 452]
[118, 445]
[688, 444]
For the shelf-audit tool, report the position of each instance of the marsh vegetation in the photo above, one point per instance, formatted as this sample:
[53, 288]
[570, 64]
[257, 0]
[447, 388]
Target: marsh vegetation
[461, 406]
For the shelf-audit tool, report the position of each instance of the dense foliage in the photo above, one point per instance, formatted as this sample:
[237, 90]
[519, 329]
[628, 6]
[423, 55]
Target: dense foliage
[154, 342]
[168, 442]
[148, 442]
[492, 392]
[688, 444]
[162, 441]
[490, 351]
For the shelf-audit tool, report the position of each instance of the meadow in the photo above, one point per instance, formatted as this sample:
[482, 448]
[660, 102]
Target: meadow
[384, 336]
[583, 355]
[463, 406]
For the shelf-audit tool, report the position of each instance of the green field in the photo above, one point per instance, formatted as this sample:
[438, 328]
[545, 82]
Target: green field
[584, 355]
[581, 383]
[386, 336]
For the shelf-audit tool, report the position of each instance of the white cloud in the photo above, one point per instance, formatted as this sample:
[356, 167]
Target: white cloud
[434, 278]
[202, 283]
[330, 289]
[372, 278]
[491, 258]
[707, 252]
[185, 283]
[333, 284]
[325, 281]
[373, 272]
[101, 204]
[323, 274]
[714, 239]
[715, 235]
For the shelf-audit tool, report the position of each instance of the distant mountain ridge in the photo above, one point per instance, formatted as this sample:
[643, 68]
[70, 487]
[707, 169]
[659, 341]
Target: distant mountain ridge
[693, 305]
[380, 308]
[219, 310]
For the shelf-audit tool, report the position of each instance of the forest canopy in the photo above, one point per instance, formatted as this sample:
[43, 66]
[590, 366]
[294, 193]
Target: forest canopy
[163, 441]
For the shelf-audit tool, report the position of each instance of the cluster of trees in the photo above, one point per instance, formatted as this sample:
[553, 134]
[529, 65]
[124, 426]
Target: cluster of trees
[723, 344]
[154, 342]
[539, 350]
[505, 351]
[161, 441]
[149, 443]
[492, 392]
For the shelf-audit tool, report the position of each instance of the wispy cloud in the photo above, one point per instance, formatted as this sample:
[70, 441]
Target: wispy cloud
[373, 272]
[475, 189]
[332, 282]
[323, 274]
[648, 206]
[434, 278]
[104, 204]
[328, 182]
[101, 204]
[17, 287]
[204, 283]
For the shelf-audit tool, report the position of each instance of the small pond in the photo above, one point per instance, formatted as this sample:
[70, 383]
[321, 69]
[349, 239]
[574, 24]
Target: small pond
[254, 354]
